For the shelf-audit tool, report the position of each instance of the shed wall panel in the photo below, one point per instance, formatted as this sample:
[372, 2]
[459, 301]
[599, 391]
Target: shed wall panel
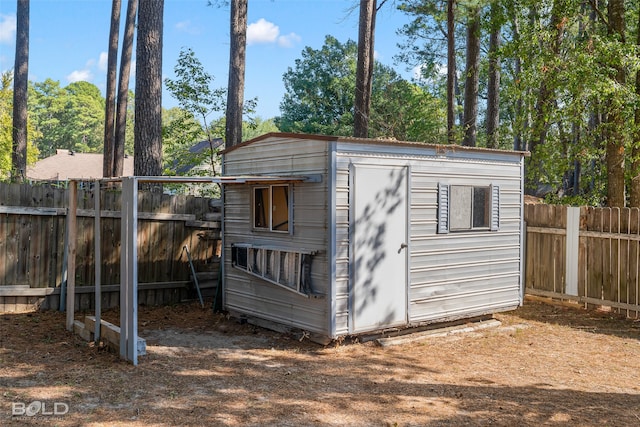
[451, 275]
[251, 295]
[457, 274]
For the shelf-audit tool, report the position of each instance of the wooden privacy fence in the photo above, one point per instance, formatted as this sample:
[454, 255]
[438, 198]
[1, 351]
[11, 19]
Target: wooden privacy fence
[590, 255]
[32, 246]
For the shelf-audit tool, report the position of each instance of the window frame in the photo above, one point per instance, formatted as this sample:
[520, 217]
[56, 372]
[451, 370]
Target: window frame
[269, 208]
[289, 269]
[447, 204]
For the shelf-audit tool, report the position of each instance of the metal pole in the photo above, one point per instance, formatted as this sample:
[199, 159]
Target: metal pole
[129, 271]
[193, 272]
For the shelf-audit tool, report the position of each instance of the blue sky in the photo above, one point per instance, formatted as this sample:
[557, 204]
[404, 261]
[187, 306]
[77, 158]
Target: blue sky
[68, 39]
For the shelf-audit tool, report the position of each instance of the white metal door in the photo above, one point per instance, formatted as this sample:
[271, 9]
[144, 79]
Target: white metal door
[379, 247]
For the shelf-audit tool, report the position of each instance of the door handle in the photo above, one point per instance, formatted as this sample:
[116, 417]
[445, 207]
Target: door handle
[402, 246]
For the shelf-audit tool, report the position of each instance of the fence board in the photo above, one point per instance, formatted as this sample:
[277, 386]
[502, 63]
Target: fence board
[623, 254]
[4, 244]
[24, 243]
[144, 236]
[11, 256]
[634, 261]
[608, 256]
[595, 262]
[110, 241]
[32, 229]
[35, 265]
[163, 249]
[583, 257]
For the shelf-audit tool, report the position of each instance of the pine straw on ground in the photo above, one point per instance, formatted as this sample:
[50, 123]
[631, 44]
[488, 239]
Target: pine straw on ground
[545, 365]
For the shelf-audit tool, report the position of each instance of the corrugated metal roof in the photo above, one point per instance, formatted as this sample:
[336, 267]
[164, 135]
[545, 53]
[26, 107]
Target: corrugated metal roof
[444, 148]
[236, 179]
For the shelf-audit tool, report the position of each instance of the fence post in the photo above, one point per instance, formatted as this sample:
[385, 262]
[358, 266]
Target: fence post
[129, 271]
[97, 259]
[572, 249]
[71, 249]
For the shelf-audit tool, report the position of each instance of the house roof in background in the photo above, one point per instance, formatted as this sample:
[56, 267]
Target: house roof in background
[197, 149]
[67, 164]
[203, 145]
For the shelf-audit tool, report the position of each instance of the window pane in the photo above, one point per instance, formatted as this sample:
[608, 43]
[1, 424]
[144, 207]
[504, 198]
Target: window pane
[261, 208]
[280, 207]
[271, 260]
[239, 256]
[460, 207]
[481, 207]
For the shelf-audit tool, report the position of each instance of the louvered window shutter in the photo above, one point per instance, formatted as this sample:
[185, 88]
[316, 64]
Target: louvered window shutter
[443, 208]
[495, 208]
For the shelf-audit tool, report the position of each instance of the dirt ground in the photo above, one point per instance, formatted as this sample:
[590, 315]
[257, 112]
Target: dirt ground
[545, 365]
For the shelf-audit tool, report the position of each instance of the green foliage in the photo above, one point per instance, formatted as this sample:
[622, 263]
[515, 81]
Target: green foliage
[6, 126]
[85, 109]
[319, 90]
[185, 127]
[6, 95]
[180, 132]
[190, 124]
[67, 118]
[320, 94]
[577, 62]
[192, 87]
[406, 112]
[560, 83]
[258, 127]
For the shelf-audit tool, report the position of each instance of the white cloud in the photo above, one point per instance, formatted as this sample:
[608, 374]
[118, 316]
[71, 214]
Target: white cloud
[183, 25]
[187, 27]
[102, 62]
[86, 74]
[7, 28]
[289, 40]
[262, 31]
[265, 32]
[416, 72]
[80, 76]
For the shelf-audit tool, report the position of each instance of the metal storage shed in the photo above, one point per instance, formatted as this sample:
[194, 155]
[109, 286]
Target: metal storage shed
[369, 235]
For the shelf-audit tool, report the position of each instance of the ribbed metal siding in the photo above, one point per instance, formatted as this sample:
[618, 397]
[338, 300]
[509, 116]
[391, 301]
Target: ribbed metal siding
[456, 274]
[252, 296]
[342, 250]
[451, 275]
[462, 274]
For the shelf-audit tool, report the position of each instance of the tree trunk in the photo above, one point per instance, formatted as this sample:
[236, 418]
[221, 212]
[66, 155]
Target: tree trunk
[546, 93]
[634, 199]
[20, 90]
[364, 68]
[123, 89]
[472, 78]
[615, 120]
[112, 65]
[148, 106]
[235, 94]
[451, 71]
[520, 114]
[493, 91]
